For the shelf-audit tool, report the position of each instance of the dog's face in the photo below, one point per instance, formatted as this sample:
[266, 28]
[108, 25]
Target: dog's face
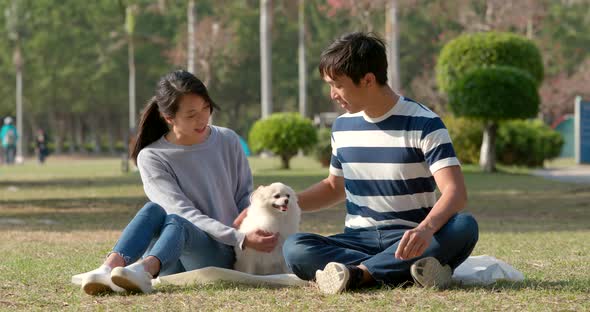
[276, 197]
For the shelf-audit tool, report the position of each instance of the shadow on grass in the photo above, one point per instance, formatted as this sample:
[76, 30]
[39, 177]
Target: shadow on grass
[75, 182]
[72, 203]
[580, 285]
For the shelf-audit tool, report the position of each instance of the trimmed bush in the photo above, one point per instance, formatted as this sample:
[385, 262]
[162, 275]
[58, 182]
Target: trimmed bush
[284, 134]
[466, 135]
[467, 52]
[323, 149]
[527, 143]
[495, 93]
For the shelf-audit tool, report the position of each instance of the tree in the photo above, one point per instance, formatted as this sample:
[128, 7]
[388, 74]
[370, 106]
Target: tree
[491, 76]
[284, 134]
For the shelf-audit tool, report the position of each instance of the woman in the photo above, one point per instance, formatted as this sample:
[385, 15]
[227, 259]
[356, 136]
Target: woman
[198, 181]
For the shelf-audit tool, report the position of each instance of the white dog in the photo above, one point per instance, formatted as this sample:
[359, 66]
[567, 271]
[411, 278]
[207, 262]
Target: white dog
[273, 209]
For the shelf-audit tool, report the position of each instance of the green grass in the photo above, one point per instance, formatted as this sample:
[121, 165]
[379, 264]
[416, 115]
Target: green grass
[61, 219]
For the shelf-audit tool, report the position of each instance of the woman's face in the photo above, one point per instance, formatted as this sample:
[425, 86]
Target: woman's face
[190, 125]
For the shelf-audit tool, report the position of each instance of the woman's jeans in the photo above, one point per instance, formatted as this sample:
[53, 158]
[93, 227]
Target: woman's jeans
[176, 242]
[375, 248]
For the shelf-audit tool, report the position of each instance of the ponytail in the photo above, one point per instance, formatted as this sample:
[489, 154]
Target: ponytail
[151, 127]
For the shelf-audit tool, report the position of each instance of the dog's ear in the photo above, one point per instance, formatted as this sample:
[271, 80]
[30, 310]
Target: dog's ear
[256, 194]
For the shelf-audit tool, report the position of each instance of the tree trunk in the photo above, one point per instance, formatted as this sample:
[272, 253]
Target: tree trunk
[391, 30]
[302, 62]
[266, 57]
[191, 17]
[70, 133]
[18, 64]
[111, 139]
[285, 162]
[79, 135]
[487, 157]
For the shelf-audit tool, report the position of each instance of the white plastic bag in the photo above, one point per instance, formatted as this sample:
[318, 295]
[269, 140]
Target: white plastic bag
[485, 270]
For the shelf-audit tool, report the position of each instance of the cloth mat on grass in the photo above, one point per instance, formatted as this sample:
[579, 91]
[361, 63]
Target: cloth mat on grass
[476, 270]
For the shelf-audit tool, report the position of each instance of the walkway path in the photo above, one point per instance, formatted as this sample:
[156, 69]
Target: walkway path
[575, 174]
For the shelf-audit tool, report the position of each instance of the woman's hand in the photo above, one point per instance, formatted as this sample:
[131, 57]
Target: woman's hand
[261, 240]
[240, 218]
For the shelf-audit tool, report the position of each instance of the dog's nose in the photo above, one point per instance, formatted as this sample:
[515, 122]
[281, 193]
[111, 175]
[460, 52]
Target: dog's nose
[286, 201]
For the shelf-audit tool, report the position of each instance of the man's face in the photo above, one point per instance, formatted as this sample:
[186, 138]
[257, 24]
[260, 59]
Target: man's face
[344, 92]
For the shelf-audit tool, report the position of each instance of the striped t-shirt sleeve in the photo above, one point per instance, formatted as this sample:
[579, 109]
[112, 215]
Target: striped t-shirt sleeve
[335, 164]
[437, 146]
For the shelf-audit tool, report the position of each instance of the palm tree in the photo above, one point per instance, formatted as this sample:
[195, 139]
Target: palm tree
[391, 31]
[191, 20]
[266, 56]
[302, 61]
[15, 27]
[129, 29]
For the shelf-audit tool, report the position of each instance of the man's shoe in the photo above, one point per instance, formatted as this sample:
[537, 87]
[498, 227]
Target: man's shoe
[337, 277]
[133, 278]
[98, 281]
[428, 272]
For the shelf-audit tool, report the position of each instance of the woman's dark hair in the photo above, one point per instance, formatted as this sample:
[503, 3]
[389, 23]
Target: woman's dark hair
[354, 55]
[170, 89]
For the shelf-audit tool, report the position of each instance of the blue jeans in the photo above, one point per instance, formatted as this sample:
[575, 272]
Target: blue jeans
[375, 248]
[176, 242]
[9, 154]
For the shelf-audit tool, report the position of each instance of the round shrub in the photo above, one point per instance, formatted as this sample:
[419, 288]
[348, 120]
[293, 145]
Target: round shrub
[323, 149]
[469, 51]
[466, 135]
[527, 143]
[284, 134]
[494, 93]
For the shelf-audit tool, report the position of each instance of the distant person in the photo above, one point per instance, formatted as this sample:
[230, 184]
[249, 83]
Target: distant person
[389, 154]
[9, 136]
[198, 180]
[41, 148]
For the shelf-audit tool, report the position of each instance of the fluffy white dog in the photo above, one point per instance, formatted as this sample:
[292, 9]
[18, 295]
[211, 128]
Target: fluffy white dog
[273, 209]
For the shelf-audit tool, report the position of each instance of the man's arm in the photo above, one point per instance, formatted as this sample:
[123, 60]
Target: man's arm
[453, 199]
[326, 193]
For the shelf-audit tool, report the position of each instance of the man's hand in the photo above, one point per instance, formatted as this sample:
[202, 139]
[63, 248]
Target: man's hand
[413, 243]
[261, 240]
[240, 218]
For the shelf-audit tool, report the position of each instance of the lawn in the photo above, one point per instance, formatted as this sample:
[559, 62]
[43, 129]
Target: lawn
[61, 219]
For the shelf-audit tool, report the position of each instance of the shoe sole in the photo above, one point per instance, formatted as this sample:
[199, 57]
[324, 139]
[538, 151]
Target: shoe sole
[96, 288]
[121, 279]
[428, 273]
[332, 279]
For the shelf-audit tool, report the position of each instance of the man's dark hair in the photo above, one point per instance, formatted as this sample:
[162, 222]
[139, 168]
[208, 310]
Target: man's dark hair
[355, 55]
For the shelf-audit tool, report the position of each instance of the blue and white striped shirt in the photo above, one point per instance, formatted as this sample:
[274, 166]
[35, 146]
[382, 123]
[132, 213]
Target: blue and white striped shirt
[387, 164]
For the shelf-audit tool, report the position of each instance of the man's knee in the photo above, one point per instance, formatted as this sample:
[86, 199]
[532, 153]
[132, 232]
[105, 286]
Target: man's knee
[296, 249]
[467, 225]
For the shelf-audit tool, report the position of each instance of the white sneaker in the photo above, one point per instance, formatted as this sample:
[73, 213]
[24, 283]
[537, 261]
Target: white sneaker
[333, 279]
[133, 278]
[428, 272]
[98, 281]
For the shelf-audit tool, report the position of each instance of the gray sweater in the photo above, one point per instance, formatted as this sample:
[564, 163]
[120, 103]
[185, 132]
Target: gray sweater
[208, 184]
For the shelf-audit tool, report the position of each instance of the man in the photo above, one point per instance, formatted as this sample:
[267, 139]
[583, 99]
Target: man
[9, 136]
[389, 154]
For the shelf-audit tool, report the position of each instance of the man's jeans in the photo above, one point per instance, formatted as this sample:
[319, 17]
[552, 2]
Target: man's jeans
[375, 248]
[176, 242]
